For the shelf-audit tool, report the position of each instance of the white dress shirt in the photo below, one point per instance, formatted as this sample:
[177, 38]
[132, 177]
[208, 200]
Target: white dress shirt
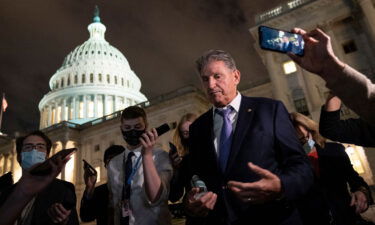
[143, 211]
[218, 120]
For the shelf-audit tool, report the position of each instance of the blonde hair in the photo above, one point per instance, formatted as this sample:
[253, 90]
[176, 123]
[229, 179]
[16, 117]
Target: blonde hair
[310, 125]
[182, 149]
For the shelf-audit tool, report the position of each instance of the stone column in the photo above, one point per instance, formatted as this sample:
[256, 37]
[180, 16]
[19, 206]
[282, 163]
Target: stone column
[63, 114]
[74, 104]
[95, 105]
[278, 81]
[369, 13]
[85, 111]
[6, 156]
[105, 98]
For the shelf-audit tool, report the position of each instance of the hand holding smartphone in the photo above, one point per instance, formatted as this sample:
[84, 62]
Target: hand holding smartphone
[280, 40]
[45, 167]
[87, 167]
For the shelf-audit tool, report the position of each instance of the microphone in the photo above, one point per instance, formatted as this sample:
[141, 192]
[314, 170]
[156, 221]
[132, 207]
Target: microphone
[196, 182]
[164, 128]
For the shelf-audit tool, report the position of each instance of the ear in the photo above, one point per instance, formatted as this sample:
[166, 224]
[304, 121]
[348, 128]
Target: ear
[237, 76]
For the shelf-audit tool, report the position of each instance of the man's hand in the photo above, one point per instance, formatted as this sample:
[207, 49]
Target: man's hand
[333, 103]
[319, 57]
[148, 140]
[90, 181]
[266, 189]
[33, 184]
[359, 201]
[200, 207]
[58, 213]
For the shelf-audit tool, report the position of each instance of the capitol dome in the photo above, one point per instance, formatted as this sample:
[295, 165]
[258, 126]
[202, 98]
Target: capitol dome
[94, 80]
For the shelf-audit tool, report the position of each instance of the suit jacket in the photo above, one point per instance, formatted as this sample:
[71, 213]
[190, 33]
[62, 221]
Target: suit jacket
[58, 191]
[265, 136]
[353, 131]
[96, 208]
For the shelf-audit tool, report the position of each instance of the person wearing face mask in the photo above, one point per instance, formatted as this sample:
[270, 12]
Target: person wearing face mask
[55, 204]
[329, 201]
[95, 200]
[138, 178]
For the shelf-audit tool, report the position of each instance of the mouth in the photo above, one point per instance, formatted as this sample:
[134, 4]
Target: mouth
[213, 92]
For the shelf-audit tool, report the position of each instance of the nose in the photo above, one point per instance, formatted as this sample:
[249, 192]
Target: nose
[211, 83]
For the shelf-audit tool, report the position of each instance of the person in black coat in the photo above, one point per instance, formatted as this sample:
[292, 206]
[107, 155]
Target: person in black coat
[329, 201]
[95, 200]
[351, 131]
[55, 203]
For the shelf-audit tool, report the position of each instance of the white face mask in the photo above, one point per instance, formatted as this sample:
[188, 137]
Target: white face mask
[30, 158]
[309, 145]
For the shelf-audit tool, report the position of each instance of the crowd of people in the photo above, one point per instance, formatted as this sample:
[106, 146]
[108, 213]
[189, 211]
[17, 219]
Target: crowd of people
[255, 162]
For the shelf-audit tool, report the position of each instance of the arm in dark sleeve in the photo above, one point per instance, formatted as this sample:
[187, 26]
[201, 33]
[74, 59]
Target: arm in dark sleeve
[87, 210]
[70, 199]
[356, 182]
[295, 170]
[352, 131]
[178, 181]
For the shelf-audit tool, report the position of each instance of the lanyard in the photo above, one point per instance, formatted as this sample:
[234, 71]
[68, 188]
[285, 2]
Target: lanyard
[134, 169]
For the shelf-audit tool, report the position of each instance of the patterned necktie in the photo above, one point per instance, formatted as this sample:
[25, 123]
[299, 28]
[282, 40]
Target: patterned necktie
[225, 137]
[128, 171]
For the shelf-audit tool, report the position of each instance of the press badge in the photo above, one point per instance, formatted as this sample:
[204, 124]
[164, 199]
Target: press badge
[125, 208]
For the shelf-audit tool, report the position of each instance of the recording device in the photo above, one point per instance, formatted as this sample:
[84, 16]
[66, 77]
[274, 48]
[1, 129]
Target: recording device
[280, 40]
[45, 168]
[87, 167]
[198, 183]
[165, 128]
[173, 149]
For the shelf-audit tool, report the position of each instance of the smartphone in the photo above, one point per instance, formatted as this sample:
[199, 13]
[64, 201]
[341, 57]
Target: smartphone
[280, 41]
[89, 168]
[164, 128]
[173, 148]
[45, 168]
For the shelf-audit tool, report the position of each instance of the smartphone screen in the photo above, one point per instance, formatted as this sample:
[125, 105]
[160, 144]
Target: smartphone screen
[280, 41]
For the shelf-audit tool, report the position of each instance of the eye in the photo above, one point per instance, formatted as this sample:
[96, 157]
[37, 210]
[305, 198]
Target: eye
[217, 76]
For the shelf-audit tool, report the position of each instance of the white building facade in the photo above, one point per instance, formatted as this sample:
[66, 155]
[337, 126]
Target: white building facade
[95, 80]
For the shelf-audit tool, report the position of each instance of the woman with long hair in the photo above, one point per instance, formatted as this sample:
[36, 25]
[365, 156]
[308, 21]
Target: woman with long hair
[329, 201]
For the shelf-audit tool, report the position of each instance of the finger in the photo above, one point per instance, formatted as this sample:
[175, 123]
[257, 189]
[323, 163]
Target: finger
[298, 30]
[191, 194]
[254, 186]
[146, 138]
[143, 143]
[206, 197]
[211, 203]
[155, 133]
[151, 136]
[260, 171]
[352, 202]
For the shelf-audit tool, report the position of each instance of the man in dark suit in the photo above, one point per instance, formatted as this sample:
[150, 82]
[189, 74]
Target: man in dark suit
[56, 203]
[286, 45]
[95, 200]
[246, 151]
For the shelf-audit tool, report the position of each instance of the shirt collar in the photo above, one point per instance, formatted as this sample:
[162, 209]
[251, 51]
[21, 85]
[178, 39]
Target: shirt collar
[235, 103]
[137, 151]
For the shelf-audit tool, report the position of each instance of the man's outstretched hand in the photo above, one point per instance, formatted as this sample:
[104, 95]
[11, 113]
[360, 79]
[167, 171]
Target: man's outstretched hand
[263, 190]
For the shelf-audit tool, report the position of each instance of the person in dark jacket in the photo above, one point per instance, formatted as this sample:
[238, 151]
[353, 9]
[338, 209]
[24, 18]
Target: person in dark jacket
[55, 203]
[95, 200]
[328, 201]
[351, 131]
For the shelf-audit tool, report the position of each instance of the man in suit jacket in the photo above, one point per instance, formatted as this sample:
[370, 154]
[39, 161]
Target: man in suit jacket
[55, 204]
[251, 160]
[95, 200]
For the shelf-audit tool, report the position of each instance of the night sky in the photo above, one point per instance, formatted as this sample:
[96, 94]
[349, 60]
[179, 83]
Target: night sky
[160, 39]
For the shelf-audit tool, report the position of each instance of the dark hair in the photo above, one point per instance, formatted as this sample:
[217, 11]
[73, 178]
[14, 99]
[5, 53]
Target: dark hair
[133, 112]
[20, 140]
[215, 55]
[113, 150]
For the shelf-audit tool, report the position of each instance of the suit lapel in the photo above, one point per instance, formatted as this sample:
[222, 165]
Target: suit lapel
[243, 124]
[209, 130]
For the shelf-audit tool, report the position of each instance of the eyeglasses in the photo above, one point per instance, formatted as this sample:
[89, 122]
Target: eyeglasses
[29, 147]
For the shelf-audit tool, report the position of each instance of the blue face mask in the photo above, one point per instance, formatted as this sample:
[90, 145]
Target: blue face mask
[28, 159]
[309, 145]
